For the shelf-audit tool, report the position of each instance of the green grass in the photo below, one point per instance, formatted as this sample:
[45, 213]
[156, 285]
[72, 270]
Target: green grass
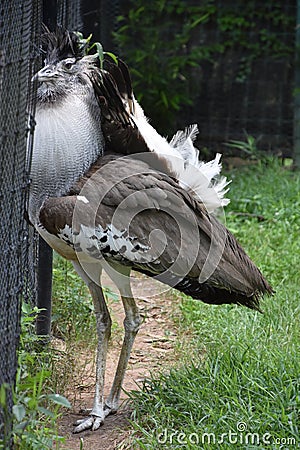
[247, 370]
[72, 310]
[73, 317]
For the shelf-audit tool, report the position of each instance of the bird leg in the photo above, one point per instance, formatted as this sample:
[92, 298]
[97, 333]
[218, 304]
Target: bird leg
[132, 323]
[103, 323]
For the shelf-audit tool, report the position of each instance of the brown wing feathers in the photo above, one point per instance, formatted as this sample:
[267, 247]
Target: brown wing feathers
[235, 278]
[114, 93]
[121, 76]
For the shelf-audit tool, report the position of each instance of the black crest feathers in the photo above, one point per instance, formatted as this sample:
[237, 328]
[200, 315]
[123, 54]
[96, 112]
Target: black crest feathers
[61, 44]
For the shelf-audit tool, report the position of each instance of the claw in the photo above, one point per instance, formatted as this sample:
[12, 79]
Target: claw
[91, 422]
[108, 410]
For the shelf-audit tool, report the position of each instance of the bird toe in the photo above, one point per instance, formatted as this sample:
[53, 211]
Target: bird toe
[89, 423]
[109, 410]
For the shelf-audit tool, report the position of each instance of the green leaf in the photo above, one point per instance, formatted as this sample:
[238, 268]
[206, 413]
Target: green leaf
[26, 308]
[19, 412]
[3, 388]
[110, 294]
[46, 411]
[164, 98]
[20, 426]
[99, 52]
[199, 20]
[113, 57]
[59, 400]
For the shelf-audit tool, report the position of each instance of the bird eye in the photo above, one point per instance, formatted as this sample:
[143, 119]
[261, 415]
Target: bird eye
[68, 64]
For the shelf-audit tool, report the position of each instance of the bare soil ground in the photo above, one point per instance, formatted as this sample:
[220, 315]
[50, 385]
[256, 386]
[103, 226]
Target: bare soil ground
[154, 349]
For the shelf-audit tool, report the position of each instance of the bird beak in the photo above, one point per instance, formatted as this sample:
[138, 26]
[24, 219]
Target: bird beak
[47, 73]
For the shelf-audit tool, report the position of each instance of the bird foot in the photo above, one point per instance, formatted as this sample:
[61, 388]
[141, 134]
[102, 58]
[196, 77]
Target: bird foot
[93, 421]
[89, 423]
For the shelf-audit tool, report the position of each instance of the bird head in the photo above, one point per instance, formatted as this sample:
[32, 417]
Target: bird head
[65, 63]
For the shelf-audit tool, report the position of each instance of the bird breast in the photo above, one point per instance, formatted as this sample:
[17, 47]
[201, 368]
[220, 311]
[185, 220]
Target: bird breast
[67, 140]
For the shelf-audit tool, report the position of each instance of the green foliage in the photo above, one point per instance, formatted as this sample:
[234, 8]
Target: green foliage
[247, 369]
[36, 408]
[73, 316]
[248, 148]
[86, 43]
[72, 309]
[158, 55]
[165, 44]
[36, 404]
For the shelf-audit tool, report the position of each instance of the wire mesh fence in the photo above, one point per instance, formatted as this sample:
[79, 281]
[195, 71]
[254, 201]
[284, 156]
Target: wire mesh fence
[20, 29]
[19, 26]
[248, 89]
[240, 79]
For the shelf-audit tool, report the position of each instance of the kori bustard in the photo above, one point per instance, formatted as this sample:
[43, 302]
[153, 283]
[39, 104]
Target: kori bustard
[107, 191]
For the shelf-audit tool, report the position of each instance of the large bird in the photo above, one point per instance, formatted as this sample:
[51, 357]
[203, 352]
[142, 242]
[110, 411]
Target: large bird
[107, 191]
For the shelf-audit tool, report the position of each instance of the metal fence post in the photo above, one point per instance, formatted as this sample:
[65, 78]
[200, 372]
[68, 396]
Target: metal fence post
[44, 290]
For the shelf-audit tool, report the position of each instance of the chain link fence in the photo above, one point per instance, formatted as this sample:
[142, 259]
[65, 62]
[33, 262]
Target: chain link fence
[247, 89]
[19, 27]
[241, 80]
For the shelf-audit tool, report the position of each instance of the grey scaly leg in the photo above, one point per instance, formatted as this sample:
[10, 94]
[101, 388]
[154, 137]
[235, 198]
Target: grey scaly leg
[103, 324]
[132, 323]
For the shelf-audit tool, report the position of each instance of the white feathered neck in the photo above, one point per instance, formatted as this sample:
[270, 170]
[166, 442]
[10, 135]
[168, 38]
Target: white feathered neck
[67, 140]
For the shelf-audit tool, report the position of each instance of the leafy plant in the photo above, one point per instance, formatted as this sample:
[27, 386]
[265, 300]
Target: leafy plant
[168, 43]
[248, 147]
[160, 61]
[35, 411]
[86, 43]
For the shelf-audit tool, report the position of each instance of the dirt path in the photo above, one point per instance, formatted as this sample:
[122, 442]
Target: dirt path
[154, 348]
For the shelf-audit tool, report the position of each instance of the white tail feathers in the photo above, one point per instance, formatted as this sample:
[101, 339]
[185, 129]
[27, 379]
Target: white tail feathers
[201, 179]
[183, 142]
